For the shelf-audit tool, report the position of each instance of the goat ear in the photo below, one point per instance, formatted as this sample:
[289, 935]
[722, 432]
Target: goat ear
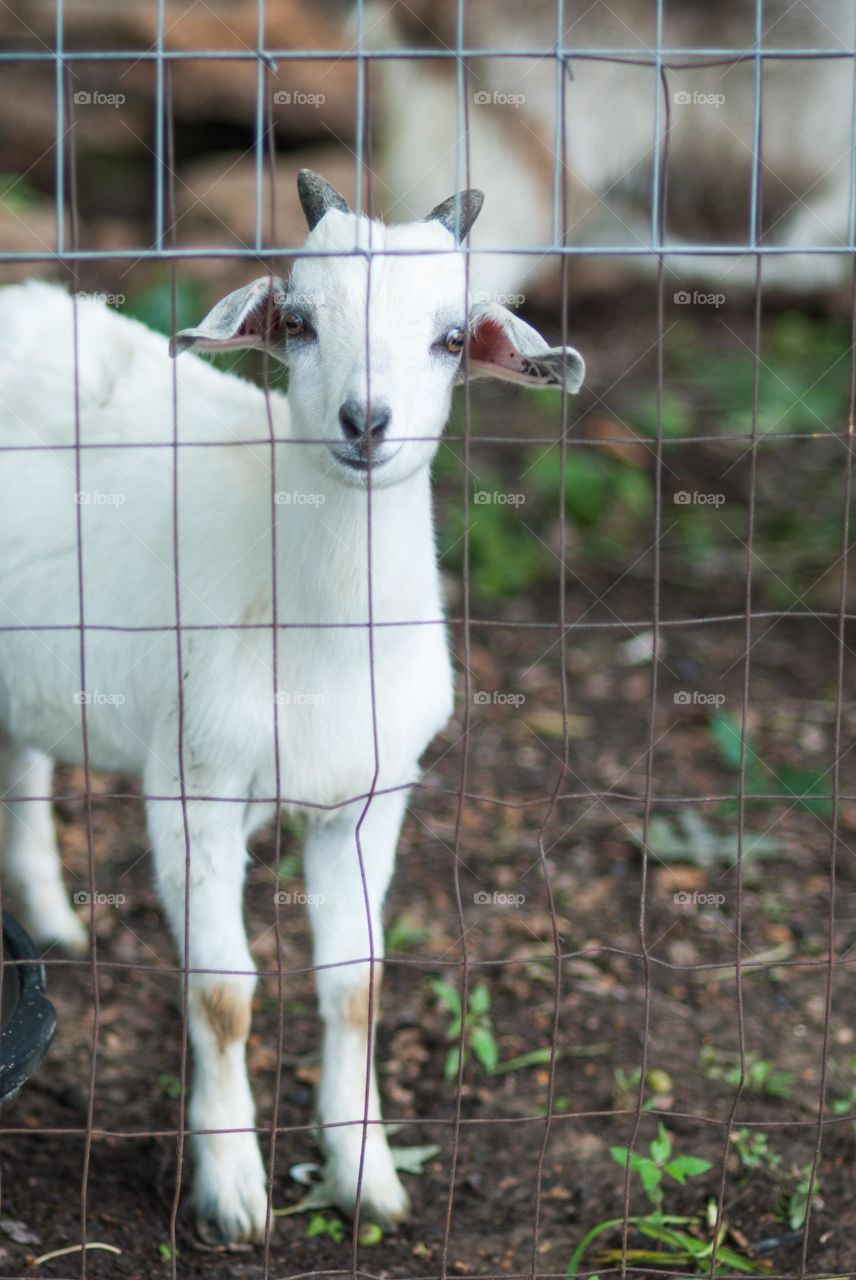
[501, 345]
[249, 317]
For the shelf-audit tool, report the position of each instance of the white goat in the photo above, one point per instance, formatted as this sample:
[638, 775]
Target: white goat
[355, 704]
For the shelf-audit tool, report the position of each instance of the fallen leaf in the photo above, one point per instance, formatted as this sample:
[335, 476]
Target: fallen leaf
[19, 1231]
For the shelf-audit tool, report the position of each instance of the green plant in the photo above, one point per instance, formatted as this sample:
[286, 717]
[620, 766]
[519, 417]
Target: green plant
[676, 414]
[292, 825]
[609, 488]
[690, 838]
[320, 1225]
[17, 193]
[479, 1039]
[802, 378]
[804, 786]
[534, 1058]
[403, 935]
[626, 1090]
[168, 1085]
[760, 1076]
[289, 866]
[595, 482]
[792, 1206]
[153, 305]
[504, 558]
[653, 1168]
[684, 1241]
[606, 498]
[846, 1103]
[754, 1151]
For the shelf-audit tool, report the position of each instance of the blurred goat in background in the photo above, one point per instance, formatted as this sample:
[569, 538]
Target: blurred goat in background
[508, 133]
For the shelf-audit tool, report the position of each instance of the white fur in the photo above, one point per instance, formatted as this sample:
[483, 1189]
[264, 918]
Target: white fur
[333, 710]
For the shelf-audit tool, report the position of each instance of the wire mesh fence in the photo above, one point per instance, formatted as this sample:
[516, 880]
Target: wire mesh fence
[572, 995]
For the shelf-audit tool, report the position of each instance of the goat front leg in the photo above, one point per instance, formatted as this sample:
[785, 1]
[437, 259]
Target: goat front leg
[337, 909]
[229, 1183]
[30, 855]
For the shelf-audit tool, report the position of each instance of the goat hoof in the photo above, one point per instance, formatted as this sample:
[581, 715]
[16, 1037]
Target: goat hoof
[219, 1233]
[382, 1197]
[230, 1199]
[388, 1211]
[225, 1228]
[70, 935]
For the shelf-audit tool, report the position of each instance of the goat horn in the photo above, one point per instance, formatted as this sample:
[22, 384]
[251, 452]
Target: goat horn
[459, 212]
[317, 195]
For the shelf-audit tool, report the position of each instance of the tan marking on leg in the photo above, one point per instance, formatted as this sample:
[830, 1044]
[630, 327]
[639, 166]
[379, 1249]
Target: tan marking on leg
[226, 1009]
[357, 1005]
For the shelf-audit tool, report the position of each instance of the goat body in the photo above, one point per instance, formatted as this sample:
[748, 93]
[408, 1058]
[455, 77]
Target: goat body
[159, 519]
[229, 483]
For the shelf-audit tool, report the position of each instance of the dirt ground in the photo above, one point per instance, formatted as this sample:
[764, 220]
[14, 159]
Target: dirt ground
[689, 1001]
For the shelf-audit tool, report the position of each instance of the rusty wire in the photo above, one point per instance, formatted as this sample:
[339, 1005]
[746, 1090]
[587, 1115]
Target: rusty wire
[562, 789]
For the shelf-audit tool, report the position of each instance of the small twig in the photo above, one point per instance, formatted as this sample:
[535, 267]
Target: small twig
[722, 973]
[73, 1248]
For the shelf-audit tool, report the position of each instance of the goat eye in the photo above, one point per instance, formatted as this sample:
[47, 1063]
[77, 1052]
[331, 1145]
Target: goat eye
[454, 341]
[294, 325]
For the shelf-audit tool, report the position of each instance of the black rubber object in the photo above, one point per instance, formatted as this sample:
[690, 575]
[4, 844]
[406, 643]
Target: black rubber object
[27, 1017]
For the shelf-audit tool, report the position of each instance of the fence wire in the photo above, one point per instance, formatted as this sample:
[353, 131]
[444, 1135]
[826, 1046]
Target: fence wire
[564, 785]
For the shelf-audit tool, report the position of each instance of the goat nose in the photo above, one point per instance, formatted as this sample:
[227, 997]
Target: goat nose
[353, 417]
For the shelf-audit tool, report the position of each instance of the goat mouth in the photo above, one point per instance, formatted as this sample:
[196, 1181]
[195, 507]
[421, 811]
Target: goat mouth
[361, 462]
